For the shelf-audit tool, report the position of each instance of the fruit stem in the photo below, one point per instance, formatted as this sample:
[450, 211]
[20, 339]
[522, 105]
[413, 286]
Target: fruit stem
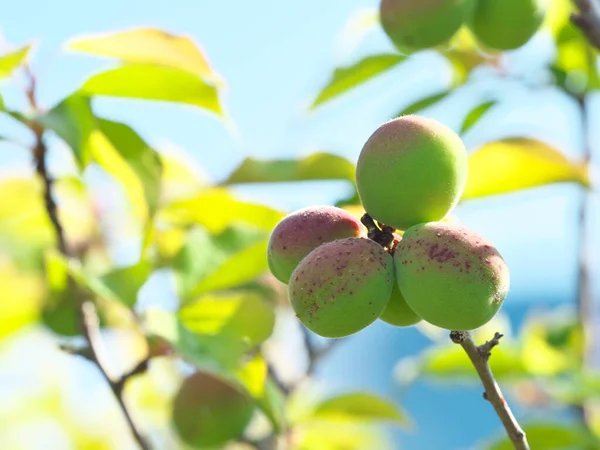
[382, 234]
[479, 356]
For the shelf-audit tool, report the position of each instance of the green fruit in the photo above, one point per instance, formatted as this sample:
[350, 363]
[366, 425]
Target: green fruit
[411, 170]
[506, 24]
[342, 287]
[419, 24]
[397, 311]
[207, 411]
[450, 276]
[302, 231]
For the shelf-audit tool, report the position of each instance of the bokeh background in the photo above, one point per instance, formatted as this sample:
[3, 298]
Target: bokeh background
[275, 57]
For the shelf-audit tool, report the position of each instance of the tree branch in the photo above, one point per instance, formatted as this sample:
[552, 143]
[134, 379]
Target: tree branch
[88, 317]
[479, 358]
[588, 20]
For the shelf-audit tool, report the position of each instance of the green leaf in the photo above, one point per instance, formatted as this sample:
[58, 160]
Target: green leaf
[73, 120]
[359, 407]
[243, 316]
[13, 60]
[474, 115]
[513, 164]
[125, 282]
[326, 436]
[216, 209]
[348, 77]
[151, 82]
[149, 46]
[422, 104]
[318, 166]
[550, 436]
[138, 167]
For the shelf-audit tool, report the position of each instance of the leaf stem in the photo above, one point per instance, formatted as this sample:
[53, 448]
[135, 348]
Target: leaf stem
[479, 357]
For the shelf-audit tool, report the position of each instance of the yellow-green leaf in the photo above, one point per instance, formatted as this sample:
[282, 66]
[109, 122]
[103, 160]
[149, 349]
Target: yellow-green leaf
[152, 82]
[518, 163]
[422, 104]
[318, 166]
[149, 46]
[216, 209]
[125, 282]
[551, 436]
[13, 60]
[359, 407]
[348, 77]
[474, 115]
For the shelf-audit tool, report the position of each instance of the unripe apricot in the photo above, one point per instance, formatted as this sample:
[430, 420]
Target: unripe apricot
[397, 311]
[506, 24]
[450, 276]
[411, 170]
[302, 231]
[342, 287]
[419, 24]
[208, 412]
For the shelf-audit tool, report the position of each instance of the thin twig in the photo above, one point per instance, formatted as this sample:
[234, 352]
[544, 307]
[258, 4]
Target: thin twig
[588, 20]
[88, 317]
[313, 353]
[479, 358]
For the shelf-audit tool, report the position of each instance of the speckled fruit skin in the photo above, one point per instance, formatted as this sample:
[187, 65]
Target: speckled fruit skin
[411, 170]
[342, 287]
[450, 276]
[418, 24]
[207, 411]
[304, 230]
[506, 24]
[397, 311]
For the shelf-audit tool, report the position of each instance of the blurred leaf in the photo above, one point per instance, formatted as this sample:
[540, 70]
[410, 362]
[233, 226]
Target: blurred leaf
[21, 299]
[216, 209]
[518, 163]
[203, 256]
[59, 312]
[11, 61]
[150, 82]
[318, 166]
[73, 120]
[126, 156]
[244, 315]
[359, 407]
[327, 436]
[348, 77]
[149, 46]
[125, 282]
[422, 104]
[540, 356]
[550, 436]
[464, 55]
[557, 15]
[474, 115]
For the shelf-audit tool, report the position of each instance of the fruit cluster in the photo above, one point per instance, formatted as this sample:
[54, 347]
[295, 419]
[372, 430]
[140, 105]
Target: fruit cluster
[497, 24]
[342, 276]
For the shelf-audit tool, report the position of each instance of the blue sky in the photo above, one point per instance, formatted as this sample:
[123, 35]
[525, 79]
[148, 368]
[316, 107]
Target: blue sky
[274, 56]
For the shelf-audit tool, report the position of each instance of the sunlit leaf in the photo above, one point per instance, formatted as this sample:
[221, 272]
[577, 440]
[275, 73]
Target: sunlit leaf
[348, 77]
[126, 156]
[151, 82]
[359, 407]
[216, 209]
[514, 164]
[550, 436]
[422, 104]
[474, 115]
[60, 311]
[318, 166]
[464, 55]
[21, 299]
[328, 436]
[557, 15]
[149, 46]
[9, 62]
[73, 120]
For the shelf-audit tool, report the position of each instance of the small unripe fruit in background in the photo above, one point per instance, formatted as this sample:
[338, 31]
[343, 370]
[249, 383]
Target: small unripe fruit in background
[342, 287]
[411, 170]
[418, 24]
[397, 311]
[208, 412]
[506, 24]
[302, 231]
[450, 276]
